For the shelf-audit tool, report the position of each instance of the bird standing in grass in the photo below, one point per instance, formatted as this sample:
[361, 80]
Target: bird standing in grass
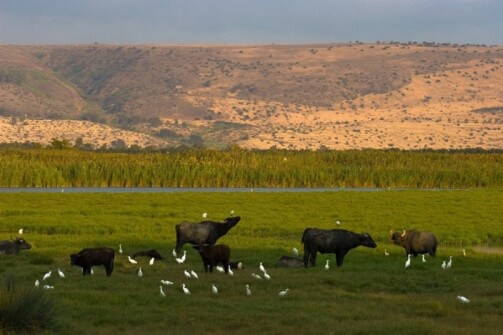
[232, 212]
[120, 249]
[256, 276]
[463, 299]
[194, 274]
[444, 265]
[450, 262]
[152, 260]
[140, 272]
[327, 267]
[295, 251]
[407, 263]
[185, 290]
[47, 275]
[92, 271]
[61, 274]
[261, 267]
[187, 274]
[386, 253]
[173, 253]
[220, 269]
[37, 283]
[166, 282]
[161, 291]
[248, 291]
[132, 261]
[205, 215]
[20, 232]
[464, 252]
[338, 222]
[48, 287]
[283, 293]
[424, 259]
[181, 260]
[214, 289]
[229, 271]
[266, 276]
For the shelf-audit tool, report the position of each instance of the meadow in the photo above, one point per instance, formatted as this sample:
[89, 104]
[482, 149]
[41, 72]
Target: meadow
[371, 293]
[249, 168]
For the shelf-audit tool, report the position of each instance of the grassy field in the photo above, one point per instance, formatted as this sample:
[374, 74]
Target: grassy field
[246, 168]
[371, 293]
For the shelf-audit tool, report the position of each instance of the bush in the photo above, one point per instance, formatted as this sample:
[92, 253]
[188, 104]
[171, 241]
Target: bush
[26, 309]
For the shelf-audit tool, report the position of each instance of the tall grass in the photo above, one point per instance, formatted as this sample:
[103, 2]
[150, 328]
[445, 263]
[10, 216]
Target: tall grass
[25, 309]
[245, 168]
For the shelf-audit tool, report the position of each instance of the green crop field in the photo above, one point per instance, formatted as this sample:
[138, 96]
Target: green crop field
[246, 168]
[371, 293]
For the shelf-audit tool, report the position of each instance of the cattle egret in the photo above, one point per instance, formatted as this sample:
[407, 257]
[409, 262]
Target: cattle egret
[338, 222]
[407, 263]
[92, 271]
[185, 290]
[261, 267]
[132, 261]
[248, 291]
[205, 215]
[140, 272]
[326, 265]
[424, 260]
[152, 260]
[166, 282]
[450, 262]
[240, 265]
[120, 249]
[386, 253]
[194, 274]
[184, 256]
[230, 271]
[444, 265]
[283, 293]
[256, 276]
[37, 283]
[295, 251]
[61, 274]
[232, 212]
[20, 232]
[174, 253]
[214, 289]
[187, 274]
[220, 269]
[48, 287]
[266, 276]
[179, 260]
[47, 275]
[463, 299]
[464, 252]
[161, 291]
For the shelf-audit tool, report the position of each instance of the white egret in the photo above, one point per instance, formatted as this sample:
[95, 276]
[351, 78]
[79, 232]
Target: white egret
[161, 291]
[173, 253]
[327, 267]
[219, 268]
[152, 260]
[450, 262]
[132, 261]
[214, 289]
[37, 283]
[20, 232]
[261, 267]
[229, 271]
[194, 274]
[248, 291]
[232, 212]
[120, 249]
[283, 293]
[240, 265]
[166, 282]
[386, 253]
[205, 215]
[266, 276]
[187, 274]
[463, 299]
[407, 263]
[464, 252]
[424, 260]
[47, 275]
[295, 251]
[92, 271]
[140, 272]
[181, 260]
[444, 265]
[61, 274]
[48, 287]
[256, 276]
[185, 290]
[338, 222]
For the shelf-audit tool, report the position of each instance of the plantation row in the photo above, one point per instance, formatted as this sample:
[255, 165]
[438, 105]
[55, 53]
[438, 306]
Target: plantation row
[244, 168]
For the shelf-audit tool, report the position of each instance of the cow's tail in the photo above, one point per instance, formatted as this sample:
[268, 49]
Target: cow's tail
[304, 235]
[177, 229]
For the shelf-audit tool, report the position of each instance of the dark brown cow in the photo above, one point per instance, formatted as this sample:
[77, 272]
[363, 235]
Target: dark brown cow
[416, 242]
[89, 257]
[212, 255]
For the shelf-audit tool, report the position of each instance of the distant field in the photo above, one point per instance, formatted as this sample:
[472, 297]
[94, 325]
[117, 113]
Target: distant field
[371, 293]
[246, 168]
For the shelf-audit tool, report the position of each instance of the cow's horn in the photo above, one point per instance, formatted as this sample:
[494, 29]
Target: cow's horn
[403, 234]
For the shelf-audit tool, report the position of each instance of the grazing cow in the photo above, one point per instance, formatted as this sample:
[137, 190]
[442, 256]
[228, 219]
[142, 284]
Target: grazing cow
[212, 255]
[337, 241]
[416, 242]
[290, 262]
[152, 253]
[87, 258]
[13, 247]
[205, 232]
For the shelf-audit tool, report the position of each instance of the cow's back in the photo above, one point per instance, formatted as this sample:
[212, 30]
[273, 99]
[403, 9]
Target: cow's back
[194, 232]
[7, 248]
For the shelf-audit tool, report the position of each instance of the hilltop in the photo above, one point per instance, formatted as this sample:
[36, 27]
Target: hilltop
[381, 95]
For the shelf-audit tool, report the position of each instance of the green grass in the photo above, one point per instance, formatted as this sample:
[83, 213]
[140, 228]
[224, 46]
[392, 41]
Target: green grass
[247, 168]
[371, 293]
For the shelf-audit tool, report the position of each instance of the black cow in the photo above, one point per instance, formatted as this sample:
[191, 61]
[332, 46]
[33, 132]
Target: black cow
[290, 262]
[87, 258]
[205, 232]
[13, 247]
[337, 241]
[152, 253]
[416, 242]
[212, 255]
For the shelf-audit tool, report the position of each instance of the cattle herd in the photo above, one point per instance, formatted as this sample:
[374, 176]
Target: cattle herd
[204, 235]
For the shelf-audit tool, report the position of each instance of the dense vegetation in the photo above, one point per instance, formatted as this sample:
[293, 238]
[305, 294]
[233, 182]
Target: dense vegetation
[370, 293]
[244, 168]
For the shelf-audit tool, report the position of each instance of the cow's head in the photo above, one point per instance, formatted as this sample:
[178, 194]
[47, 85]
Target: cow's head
[232, 221]
[22, 243]
[367, 241]
[398, 238]
[74, 259]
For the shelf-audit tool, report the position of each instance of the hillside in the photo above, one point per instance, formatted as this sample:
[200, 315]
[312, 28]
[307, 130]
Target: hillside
[340, 96]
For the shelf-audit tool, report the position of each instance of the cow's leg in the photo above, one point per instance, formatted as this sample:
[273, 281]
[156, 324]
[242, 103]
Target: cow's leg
[226, 265]
[86, 271]
[313, 257]
[432, 252]
[109, 268]
[306, 255]
[179, 244]
[340, 257]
